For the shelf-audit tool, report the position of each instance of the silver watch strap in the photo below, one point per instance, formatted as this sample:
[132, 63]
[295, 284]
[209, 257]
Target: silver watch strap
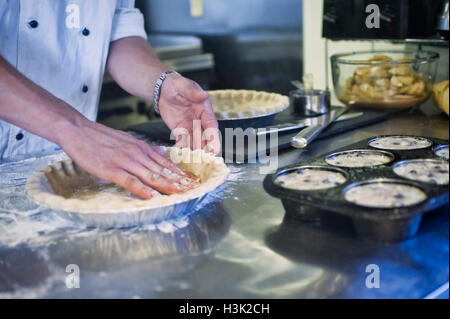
[157, 91]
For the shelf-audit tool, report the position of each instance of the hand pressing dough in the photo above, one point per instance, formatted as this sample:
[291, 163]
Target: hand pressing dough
[65, 186]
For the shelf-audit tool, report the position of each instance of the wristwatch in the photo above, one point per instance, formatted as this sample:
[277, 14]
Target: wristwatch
[157, 91]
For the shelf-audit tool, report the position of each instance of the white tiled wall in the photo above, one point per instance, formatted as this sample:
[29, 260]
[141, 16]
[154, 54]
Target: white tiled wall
[314, 45]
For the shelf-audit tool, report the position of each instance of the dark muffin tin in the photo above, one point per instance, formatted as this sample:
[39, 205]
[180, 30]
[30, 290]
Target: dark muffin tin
[377, 224]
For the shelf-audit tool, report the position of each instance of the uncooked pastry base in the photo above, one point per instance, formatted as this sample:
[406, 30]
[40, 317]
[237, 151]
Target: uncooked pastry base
[65, 186]
[234, 104]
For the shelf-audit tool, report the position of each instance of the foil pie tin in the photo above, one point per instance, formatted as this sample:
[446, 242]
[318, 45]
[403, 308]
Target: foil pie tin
[128, 219]
[325, 207]
[137, 217]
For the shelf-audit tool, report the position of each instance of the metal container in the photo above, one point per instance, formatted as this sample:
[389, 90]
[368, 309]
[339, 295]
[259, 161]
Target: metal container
[375, 224]
[310, 102]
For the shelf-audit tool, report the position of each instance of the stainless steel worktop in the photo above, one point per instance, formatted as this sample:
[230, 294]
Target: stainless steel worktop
[237, 246]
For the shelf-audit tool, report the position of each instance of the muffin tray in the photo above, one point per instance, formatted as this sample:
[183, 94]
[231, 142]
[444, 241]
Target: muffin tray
[373, 223]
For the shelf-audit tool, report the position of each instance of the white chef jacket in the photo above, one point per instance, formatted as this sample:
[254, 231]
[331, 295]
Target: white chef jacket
[62, 46]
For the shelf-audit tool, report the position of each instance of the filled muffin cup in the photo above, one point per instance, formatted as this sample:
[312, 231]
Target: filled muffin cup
[423, 170]
[310, 178]
[400, 143]
[384, 194]
[359, 158]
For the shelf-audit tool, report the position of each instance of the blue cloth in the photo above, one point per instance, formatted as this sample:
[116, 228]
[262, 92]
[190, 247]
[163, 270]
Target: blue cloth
[62, 46]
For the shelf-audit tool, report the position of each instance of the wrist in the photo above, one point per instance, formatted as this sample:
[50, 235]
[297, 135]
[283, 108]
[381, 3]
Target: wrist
[66, 130]
[159, 87]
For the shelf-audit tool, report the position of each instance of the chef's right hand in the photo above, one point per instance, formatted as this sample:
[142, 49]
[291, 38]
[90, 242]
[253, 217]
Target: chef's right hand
[120, 158]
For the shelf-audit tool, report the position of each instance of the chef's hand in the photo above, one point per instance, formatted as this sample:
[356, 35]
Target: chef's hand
[120, 158]
[182, 101]
[109, 154]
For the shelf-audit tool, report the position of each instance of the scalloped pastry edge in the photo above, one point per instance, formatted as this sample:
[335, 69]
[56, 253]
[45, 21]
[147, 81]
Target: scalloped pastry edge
[240, 110]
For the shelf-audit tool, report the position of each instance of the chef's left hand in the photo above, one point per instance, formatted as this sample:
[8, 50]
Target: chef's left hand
[182, 101]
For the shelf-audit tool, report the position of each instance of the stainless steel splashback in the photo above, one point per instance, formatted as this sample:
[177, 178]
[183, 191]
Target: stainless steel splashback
[257, 44]
[221, 16]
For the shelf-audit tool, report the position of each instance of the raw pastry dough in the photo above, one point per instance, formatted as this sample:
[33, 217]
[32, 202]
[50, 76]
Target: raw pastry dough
[65, 186]
[234, 104]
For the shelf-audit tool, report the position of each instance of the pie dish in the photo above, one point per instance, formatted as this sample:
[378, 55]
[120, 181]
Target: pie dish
[65, 187]
[239, 104]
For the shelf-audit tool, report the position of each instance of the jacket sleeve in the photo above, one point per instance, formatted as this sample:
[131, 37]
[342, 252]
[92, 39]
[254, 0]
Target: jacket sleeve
[127, 22]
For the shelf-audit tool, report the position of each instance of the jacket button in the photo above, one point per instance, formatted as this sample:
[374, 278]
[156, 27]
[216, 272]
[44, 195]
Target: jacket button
[33, 24]
[19, 136]
[85, 88]
[85, 32]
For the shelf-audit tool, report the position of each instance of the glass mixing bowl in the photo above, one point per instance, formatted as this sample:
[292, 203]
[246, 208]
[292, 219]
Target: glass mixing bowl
[384, 79]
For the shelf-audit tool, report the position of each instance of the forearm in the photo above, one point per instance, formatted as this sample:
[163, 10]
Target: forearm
[108, 154]
[134, 66]
[26, 105]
